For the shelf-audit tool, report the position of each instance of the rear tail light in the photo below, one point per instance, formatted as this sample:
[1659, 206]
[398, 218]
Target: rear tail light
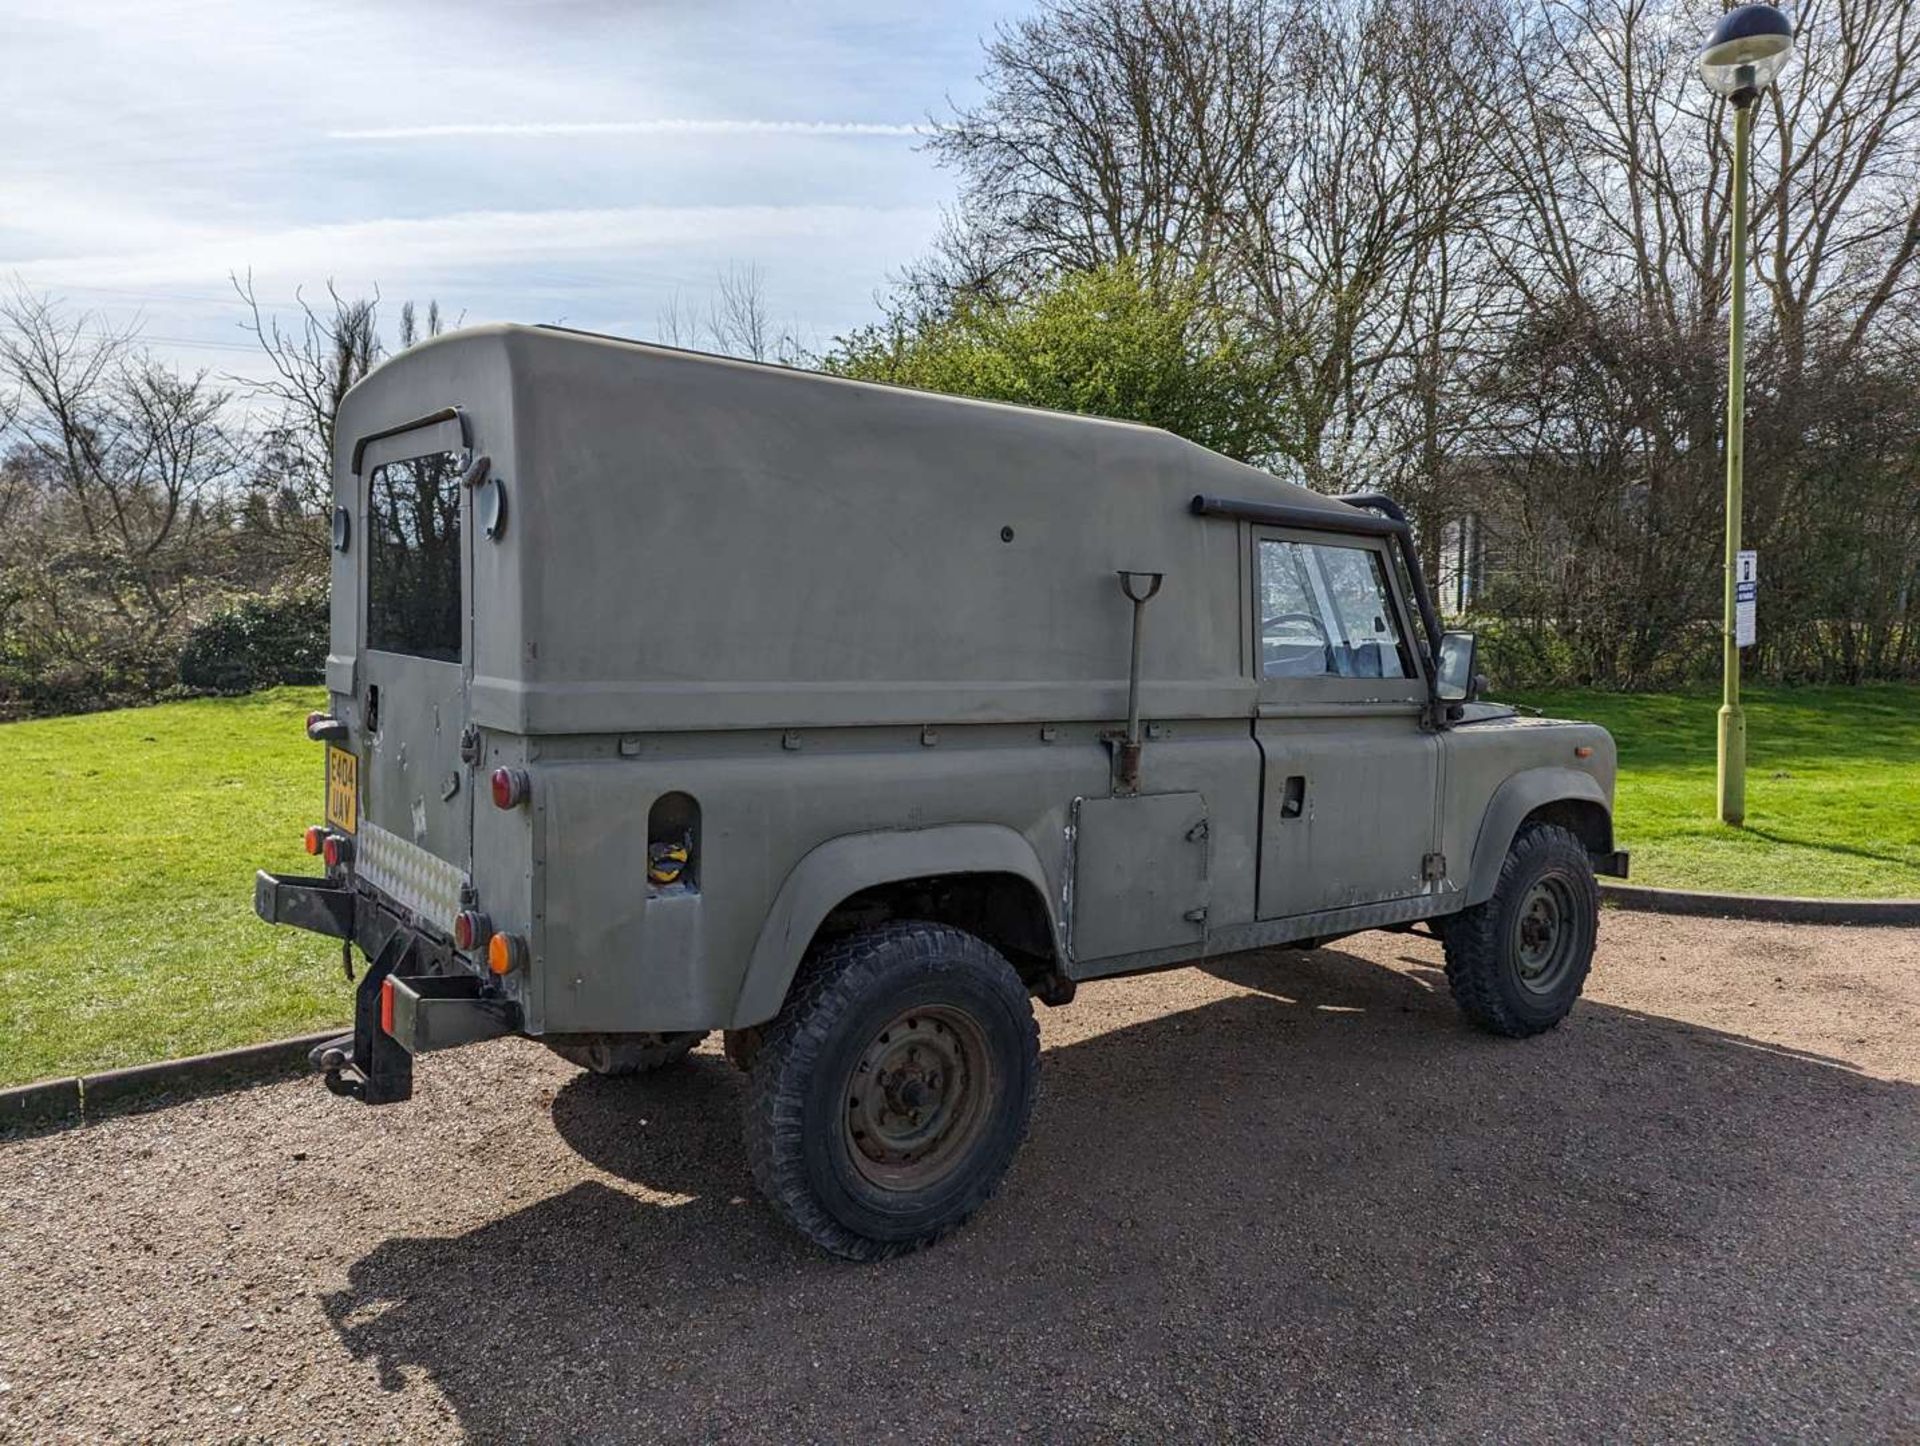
[386, 1005]
[315, 839]
[510, 787]
[337, 850]
[470, 930]
[505, 953]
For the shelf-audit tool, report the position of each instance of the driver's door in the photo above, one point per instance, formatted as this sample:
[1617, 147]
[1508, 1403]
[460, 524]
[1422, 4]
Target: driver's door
[1350, 780]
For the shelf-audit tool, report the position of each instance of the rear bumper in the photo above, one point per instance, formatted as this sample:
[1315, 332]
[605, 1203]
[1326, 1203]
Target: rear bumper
[345, 908]
[323, 905]
[443, 1011]
[414, 997]
[1613, 865]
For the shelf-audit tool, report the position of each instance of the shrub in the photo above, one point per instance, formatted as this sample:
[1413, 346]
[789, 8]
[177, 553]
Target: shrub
[255, 642]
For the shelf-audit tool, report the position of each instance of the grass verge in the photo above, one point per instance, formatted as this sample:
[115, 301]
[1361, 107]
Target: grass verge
[128, 842]
[1833, 789]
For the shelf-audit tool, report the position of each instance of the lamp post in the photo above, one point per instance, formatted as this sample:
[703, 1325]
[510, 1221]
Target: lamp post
[1748, 48]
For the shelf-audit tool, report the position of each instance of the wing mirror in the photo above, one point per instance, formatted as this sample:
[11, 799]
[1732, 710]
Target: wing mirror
[1459, 680]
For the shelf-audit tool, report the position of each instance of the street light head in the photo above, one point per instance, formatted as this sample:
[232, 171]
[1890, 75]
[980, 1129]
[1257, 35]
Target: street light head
[1748, 48]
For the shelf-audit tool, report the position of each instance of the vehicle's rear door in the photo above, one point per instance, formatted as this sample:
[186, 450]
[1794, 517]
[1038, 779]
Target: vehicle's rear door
[416, 668]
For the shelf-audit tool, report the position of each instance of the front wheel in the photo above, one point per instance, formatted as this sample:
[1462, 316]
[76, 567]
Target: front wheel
[1518, 961]
[893, 1089]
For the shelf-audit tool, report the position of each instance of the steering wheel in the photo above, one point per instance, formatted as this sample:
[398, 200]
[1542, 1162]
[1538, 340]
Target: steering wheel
[1279, 620]
[1286, 657]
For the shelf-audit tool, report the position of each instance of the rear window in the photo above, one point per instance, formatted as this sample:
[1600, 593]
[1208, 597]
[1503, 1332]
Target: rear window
[413, 557]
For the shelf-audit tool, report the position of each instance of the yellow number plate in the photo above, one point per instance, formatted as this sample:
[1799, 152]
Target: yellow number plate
[343, 789]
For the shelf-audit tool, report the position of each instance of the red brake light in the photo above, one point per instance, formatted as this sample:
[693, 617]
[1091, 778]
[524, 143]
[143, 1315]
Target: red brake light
[336, 850]
[313, 718]
[386, 1005]
[315, 839]
[470, 929]
[510, 787]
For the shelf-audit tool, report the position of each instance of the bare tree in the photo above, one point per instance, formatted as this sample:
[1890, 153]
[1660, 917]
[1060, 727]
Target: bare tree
[412, 330]
[737, 313]
[1111, 129]
[737, 322]
[1290, 151]
[675, 325]
[128, 467]
[316, 359]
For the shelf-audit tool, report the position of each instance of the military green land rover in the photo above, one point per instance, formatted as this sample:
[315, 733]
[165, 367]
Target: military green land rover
[672, 694]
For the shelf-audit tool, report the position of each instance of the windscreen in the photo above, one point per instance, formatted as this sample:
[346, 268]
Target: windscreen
[413, 557]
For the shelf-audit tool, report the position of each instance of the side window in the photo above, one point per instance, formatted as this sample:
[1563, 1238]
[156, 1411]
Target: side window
[1326, 612]
[413, 557]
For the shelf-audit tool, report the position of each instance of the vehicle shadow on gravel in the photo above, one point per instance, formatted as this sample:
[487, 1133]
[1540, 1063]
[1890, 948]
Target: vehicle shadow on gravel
[1321, 1205]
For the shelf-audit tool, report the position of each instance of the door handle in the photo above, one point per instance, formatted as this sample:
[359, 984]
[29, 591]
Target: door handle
[1293, 797]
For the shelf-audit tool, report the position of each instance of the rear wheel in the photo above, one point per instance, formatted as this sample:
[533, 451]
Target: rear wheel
[629, 1053]
[892, 1091]
[1518, 961]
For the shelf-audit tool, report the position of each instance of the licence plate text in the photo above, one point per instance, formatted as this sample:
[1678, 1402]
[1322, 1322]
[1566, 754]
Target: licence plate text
[343, 789]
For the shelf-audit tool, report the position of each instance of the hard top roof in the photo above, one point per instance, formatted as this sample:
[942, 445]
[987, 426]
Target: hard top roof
[1222, 473]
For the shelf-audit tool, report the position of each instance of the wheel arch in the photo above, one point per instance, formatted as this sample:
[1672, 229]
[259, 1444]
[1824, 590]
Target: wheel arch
[1563, 796]
[985, 878]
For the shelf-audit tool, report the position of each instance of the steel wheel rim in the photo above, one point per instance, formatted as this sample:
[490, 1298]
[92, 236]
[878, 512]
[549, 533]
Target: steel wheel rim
[919, 1098]
[1544, 936]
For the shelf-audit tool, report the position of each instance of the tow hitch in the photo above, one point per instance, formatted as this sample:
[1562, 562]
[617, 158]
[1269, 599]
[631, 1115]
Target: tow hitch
[370, 1065]
[396, 1015]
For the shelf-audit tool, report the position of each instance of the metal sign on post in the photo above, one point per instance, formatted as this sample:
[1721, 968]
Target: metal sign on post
[1746, 594]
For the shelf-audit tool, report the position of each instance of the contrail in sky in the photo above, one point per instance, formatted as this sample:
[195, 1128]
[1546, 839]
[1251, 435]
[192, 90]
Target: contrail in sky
[538, 129]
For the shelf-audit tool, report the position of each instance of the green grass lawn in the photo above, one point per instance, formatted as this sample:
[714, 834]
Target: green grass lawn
[1833, 789]
[128, 843]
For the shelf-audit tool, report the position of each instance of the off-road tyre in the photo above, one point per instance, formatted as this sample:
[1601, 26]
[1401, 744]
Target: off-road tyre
[1500, 980]
[630, 1054]
[933, 998]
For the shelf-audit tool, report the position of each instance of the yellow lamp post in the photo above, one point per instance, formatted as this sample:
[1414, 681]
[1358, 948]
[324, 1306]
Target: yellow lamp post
[1748, 48]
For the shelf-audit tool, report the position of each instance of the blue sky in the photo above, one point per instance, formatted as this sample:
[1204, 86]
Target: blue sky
[530, 160]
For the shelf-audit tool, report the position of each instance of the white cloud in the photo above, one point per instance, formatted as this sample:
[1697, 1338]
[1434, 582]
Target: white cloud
[541, 129]
[155, 145]
[399, 249]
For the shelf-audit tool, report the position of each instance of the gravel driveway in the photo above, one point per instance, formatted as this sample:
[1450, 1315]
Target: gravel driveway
[1288, 1195]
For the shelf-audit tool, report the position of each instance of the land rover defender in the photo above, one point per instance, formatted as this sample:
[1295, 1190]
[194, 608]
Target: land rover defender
[671, 694]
